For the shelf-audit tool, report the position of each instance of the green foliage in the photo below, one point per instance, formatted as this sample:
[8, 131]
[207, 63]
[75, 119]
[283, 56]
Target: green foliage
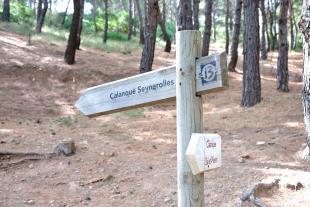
[65, 121]
[20, 13]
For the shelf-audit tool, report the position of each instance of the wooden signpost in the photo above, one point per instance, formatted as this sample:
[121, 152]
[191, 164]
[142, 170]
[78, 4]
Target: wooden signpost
[192, 77]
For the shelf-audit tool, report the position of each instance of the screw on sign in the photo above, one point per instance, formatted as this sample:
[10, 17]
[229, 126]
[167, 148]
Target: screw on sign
[178, 83]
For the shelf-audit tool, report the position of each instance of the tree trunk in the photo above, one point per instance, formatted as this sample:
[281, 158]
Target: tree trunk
[263, 49]
[291, 16]
[214, 23]
[80, 25]
[65, 14]
[227, 27]
[141, 23]
[72, 41]
[282, 69]
[6, 11]
[95, 5]
[208, 27]
[251, 93]
[235, 38]
[184, 17]
[272, 35]
[150, 36]
[41, 15]
[275, 26]
[106, 21]
[164, 31]
[196, 14]
[305, 29]
[129, 19]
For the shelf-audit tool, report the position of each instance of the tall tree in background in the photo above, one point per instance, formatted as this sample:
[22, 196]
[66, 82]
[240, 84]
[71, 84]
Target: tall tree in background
[293, 26]
[235, 37]
[95, 6]
[141, 23]
[130, 20]
[227, 27]
[263, 44]
[282, 67]
[65, 14]
[305, 29]
[166, 37]
[251, 93]
[150, 36]
[184, 17]
[106, 21]
[41, 12]
[208, 26]
[80, 25]
[6, 11]
[214, 22]
[196, 14]
[72, 41]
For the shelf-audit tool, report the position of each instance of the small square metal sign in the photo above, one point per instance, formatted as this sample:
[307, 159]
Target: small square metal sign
[204, 152]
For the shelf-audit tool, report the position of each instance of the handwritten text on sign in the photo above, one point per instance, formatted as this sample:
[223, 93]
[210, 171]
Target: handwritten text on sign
[151, 88]
[204, 152]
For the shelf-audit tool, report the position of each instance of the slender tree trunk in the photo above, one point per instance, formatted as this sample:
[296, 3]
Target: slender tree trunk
[272, 35]
[41, 15]
[251, 93]
[150, 36]
[65, 14]
[263, 48]
[80, 25]
[6, 11]
[282, 69]
[196, 14]
[94, 13]
[291, 16]
[235, 38]
[208, 26]
[184, 17]
[227, 27]
[164, 31]
[214, 23]
[305, 29]
[130, 20]
[72, 41]
[106, 21]
[275, 40]
[141, 23]
[267, 34]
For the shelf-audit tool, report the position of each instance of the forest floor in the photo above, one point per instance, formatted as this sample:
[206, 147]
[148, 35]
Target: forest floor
[129, 158]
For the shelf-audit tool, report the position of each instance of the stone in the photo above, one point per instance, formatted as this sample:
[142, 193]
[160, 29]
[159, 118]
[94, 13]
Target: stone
[260, 143]
[65, 148]
[29, 202]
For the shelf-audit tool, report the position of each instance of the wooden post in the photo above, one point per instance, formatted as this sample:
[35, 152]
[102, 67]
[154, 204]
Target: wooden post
[189, 116]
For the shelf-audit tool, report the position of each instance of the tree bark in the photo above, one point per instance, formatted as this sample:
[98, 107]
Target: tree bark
[305, 29]
[150, 37]
[6, 11]
[141, 23]
[272, 35]
[251, 93]
[106, 21]
[80, 25]
[227, 27]
[130, 20]
[208, 27]
[282, 69]
[196, 14]
[72, 41]
[263, 34]
[164, 31]
[235, 38]
[41, 15]
[184, 17]
[292, 25]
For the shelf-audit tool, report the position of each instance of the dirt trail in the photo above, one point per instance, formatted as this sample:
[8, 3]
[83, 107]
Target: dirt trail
[129, 158]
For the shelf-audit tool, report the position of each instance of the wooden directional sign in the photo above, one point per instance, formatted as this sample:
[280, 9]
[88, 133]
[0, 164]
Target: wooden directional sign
[151, 88]
[204, 152]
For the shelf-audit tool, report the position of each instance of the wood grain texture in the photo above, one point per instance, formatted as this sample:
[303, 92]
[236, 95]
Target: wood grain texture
[96, 101]
[189, 116]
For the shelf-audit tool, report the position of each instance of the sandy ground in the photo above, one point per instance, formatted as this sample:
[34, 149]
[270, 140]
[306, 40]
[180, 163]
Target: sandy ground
[129, 158]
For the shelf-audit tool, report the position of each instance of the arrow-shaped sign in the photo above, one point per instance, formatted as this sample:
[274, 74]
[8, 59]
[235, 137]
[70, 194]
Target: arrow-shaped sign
[151, 88]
